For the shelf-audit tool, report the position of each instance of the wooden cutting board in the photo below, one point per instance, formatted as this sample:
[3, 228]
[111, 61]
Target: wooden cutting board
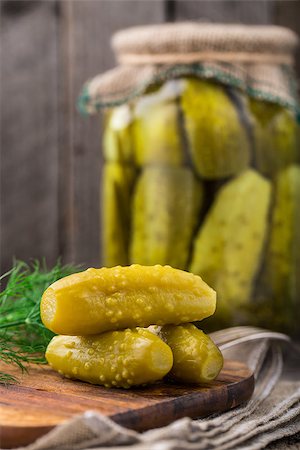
[44, 399]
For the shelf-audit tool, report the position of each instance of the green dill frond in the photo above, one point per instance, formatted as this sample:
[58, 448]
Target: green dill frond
[23, 337]
[6, 378]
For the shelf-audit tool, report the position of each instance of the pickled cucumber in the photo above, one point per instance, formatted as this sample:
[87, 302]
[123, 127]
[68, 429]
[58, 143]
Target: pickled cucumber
[117, 182]
[196, 358]
[228, 247]
[113, 359]
[99, 300]
[218, 140]
[166, 206]
[276, 136]
[117, 136]
[281, 274]
[156, 130]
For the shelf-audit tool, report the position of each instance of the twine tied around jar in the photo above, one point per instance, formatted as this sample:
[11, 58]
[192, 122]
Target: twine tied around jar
[256, 59]
[187, 58]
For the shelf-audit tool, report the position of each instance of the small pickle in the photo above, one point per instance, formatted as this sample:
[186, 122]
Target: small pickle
[166, 204]
[99, 300]
[229, 245]
[217, 137]
[114, 359]
[280, 277]
[156, 128]
[117, 182]
[276, 136]
[196, 358]
[117, 137]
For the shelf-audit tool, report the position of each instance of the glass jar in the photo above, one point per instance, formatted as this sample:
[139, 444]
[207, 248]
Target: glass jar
[204, 175]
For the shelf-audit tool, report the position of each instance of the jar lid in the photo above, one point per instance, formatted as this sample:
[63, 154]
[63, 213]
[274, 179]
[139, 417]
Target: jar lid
[187, 42]
[256, 59]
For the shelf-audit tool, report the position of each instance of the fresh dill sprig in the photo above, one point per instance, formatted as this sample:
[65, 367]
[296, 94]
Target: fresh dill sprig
[23, 337]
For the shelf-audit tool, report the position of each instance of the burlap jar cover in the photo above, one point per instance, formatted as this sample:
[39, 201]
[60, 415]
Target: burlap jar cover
[256, 59]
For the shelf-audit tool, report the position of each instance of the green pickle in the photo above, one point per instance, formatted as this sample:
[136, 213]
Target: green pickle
[156, 130]
[276, 136]
[117, 183]
[114, 359]
[166, 206]
[218, 140]
[228, 247]
[118, 136]
[105, 299]
[280, 279]
[196, 358]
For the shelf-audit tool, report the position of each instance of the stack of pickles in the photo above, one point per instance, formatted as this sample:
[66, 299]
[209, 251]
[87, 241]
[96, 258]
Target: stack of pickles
[200, 176]
[101, 315]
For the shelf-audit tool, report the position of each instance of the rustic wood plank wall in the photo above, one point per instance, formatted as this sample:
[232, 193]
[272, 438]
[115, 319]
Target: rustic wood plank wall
[91, 25]
[50, 155]
[29, 138]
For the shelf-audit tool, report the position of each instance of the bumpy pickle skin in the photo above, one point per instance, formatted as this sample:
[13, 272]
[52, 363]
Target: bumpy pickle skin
[276, 137]
[117, 182]
[99, 300]
[156, 128]
[120, 359]
[229, 244]
[118, 136]
[196, 357]
[280, 279]
[218, 140]
[166, 205]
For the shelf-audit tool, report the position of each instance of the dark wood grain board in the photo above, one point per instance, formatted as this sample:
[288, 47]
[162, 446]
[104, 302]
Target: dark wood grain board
[44, 399]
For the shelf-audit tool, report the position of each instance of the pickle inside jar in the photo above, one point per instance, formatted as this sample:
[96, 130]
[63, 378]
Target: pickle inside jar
[117, 185]
[165, 210]
[156, 127]
[229, 244]
[279, 282]
[276, 137]
[117, 139]
[218, 139]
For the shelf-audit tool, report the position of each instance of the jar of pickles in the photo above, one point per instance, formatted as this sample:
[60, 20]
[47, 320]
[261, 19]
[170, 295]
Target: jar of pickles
[202, 163]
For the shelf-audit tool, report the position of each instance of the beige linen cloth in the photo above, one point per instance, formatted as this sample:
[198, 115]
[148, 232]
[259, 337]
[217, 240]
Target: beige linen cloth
[272, 413]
